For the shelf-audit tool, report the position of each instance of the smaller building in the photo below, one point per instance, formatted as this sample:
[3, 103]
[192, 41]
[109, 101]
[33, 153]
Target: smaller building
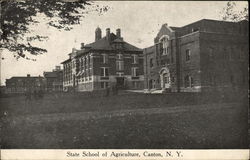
[24, 84]
[54, 80]
[2, 90]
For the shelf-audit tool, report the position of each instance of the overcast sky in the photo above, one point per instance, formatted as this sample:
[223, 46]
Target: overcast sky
[139, 22]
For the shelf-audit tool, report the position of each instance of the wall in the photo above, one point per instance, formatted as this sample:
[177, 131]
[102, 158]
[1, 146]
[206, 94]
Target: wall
[229, 58]
[191, 67]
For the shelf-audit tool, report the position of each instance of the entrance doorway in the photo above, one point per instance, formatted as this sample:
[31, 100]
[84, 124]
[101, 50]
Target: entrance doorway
[150, 85]
[165, 78]
[120, 82]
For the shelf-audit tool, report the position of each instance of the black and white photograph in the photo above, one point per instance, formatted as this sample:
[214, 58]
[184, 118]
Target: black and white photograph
[78, 74]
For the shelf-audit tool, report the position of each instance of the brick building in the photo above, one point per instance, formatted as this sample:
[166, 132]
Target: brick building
[107, 62]
[23, 84]
[54, 80]
[207, 55]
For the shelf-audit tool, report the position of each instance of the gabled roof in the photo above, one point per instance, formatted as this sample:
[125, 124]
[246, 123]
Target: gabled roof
[174, 28]
[68, 60]
[104, 44]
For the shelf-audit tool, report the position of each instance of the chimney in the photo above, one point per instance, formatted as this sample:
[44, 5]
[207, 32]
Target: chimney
[58, 68]
[108, 34]
[118, 33]
[98, 34]
[28, 75]
[82, 45]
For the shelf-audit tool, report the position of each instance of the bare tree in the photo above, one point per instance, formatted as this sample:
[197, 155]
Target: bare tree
[230, 13]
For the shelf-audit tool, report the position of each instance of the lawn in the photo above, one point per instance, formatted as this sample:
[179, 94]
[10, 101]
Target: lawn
[224, 126]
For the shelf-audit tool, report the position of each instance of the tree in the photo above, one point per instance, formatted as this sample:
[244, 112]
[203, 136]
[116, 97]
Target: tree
[230, 13]
[17, 17]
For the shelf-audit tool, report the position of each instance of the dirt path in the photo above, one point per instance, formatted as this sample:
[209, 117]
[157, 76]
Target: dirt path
[36, 119]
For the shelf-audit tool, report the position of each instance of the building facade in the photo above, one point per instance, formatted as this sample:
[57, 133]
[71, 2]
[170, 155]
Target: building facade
[24, 84]
[54, 80]
[107, 62]
[206, 55]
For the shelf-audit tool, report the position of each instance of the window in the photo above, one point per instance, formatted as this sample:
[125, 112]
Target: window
[167, 50]
[104, 72]
[87, 62]
[84, 62]
[241, 54]
[118, 45]
[134, 72]
[211, 53]
[172, 79]
[232, 79]
[135, 59]
[120, 74]
[213, 79]
[104, 85]
[166, 79]
[160, 48]
[195, 29]
[135, 84]
[188, 54]
[104, 58]
[82, 76]
[151, 62]
[188, 81]
[119, 56]
[90, 74]
[231, 53]
[163, 62]
[164, 51]
[119, 65]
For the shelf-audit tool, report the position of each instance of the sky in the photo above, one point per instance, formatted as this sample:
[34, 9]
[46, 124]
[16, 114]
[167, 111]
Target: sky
[139, 22]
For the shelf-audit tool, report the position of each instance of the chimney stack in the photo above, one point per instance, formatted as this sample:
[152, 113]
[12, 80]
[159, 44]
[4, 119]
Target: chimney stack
[82, 45]
[118, 33]
[58, 68]
[108, 33]
[98, 34]
[28, 75]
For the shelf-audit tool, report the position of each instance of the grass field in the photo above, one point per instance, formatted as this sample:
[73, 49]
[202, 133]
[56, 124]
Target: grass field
[225, 125]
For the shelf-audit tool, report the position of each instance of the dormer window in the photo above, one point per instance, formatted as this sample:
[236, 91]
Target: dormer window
[195, 29]
[118, 45]
[104, 58]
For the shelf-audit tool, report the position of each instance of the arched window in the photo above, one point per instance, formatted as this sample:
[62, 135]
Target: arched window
[164, 41]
